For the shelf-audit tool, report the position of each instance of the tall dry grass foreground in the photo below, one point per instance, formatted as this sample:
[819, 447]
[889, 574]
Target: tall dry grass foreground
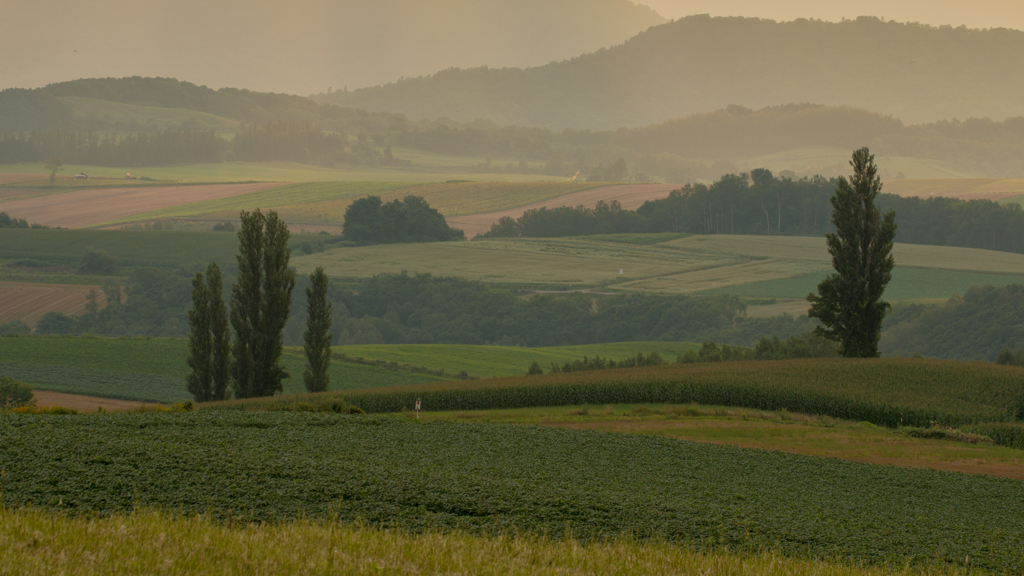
[34, 542]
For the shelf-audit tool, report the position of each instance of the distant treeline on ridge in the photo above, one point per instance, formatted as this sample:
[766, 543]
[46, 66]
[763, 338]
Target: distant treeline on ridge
[761, 204]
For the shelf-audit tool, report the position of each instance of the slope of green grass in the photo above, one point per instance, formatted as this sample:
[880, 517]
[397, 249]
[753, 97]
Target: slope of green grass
[150, 369]
[131, 116]
[505, 360]
[509, 479]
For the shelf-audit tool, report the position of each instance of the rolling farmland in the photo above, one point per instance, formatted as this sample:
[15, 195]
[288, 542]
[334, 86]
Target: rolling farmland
[962, 188]
[406, 474]
[756, 266]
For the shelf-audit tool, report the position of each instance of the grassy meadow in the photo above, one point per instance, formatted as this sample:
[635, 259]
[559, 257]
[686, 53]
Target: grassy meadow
[148, 117]
[198, 545]
[392, 472]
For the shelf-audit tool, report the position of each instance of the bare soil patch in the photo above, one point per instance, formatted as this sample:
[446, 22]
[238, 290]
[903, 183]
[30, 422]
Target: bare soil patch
[90, 207]
[82, 403]
[29, 301]
[631, 196]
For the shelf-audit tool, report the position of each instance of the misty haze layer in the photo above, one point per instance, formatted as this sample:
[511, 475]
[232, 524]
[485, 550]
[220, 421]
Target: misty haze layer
[698, 64]
[302, 46]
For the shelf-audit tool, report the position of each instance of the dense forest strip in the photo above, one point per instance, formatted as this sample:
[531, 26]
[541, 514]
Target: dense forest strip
[760, 203]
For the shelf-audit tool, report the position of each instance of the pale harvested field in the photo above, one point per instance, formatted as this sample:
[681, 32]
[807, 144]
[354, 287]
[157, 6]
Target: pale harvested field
[84, 208]
[962, 188]
[82, 403]
[631, 196]
[28, 301]
[15, 177]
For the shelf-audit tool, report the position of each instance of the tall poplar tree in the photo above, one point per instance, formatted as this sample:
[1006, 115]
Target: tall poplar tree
[317, 338]
[260, 303]
[200, 351]
[848, 302]
[220, 334]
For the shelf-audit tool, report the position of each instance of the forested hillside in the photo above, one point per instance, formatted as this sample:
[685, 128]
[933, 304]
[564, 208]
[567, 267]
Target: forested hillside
[698, 64]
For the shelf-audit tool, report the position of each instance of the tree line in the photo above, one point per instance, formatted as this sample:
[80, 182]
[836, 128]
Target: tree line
[369, 220]
[763, 204]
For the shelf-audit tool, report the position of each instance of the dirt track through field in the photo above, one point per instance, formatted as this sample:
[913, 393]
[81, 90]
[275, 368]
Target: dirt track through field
[90, 207]
[29, 301]
[631, 196]
[46, 399]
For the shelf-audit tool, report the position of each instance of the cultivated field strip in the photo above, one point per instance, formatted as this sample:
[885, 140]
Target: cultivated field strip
[29, 301]
[961, 188]
[90, 207]
[511, 479]
[885, 392]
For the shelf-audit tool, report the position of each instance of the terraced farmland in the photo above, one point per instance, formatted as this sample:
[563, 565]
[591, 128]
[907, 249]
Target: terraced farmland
[510, 479]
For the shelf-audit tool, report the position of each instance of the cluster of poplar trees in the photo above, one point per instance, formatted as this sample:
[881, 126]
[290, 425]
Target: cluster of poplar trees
[249, 365]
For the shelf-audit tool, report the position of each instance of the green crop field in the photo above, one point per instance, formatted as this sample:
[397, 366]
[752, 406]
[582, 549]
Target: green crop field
[509, 479]
[325, 202]
[150, 369]
[505, 360]
[756, 266]
[881, 391]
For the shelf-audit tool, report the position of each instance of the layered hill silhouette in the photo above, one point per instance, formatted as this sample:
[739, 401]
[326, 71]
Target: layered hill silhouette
[699, 64]
[302, 46]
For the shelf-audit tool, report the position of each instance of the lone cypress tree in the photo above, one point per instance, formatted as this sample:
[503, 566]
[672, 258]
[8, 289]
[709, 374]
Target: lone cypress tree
[200, 351]
[260, 303]
[220, 335]
[848, 302]
[316, 338]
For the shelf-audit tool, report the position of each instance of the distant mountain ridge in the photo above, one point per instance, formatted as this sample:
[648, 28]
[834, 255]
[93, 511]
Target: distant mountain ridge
[700, 64]
[301, 46]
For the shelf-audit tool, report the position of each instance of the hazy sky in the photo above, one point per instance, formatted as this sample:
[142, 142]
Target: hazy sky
[976, 14]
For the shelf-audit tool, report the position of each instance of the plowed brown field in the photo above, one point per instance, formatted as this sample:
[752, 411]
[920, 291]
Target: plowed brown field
[631, 196]
[90, 207]
[962, 188]
[28, 302]
[82, 403]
